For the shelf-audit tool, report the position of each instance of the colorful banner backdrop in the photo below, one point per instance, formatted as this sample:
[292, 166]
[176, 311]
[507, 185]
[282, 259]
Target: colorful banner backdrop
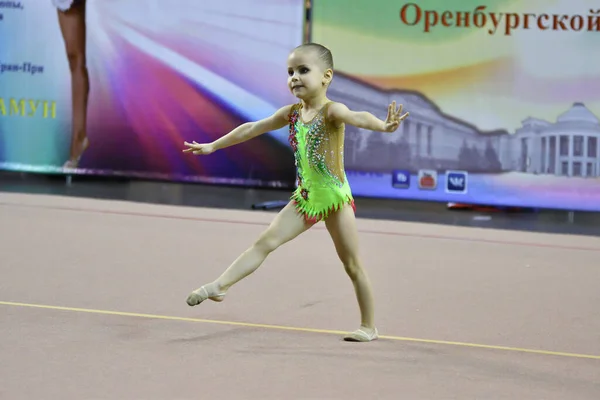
[160, 73]
[503, 95]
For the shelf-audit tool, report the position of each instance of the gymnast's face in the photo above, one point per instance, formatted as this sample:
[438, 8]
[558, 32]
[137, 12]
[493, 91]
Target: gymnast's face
[307, 76]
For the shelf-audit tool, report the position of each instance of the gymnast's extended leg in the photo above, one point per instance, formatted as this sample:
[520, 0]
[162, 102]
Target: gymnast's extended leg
[287, 225]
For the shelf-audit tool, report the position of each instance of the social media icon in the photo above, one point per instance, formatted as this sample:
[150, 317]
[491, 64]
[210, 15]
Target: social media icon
[456, 181]
[401, 179]
[428, 179]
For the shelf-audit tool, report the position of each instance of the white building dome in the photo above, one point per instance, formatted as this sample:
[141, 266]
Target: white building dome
[578, 113]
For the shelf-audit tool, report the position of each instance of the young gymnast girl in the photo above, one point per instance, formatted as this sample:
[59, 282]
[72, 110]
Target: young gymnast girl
[316, 127]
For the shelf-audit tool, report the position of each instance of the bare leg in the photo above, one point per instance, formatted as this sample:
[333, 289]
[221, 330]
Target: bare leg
[342, 228]
[287, 225]
[73, 28]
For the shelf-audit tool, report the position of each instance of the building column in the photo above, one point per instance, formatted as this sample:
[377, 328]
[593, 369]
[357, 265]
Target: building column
[412, 137]
[585, 157]
[546, 155]
[429, 141]
[571, 152]
[597, 157]
[557, 166]
[417, 131]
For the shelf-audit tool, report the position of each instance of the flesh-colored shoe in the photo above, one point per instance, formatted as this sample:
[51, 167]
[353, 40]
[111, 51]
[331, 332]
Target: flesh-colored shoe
[72, 164]
[362, 334]
[201, 294]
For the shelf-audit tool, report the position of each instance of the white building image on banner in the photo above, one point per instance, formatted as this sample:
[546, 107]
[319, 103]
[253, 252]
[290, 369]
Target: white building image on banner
[431, 139]
[568, 147]
[427, 139]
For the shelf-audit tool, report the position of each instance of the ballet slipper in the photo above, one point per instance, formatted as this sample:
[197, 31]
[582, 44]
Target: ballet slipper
[74, 163]
[362, 334]
[201, 294]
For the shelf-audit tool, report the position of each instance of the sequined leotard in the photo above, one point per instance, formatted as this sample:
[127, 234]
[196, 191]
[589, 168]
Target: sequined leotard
[319, 155]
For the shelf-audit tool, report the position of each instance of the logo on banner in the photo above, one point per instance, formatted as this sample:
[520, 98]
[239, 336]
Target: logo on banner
[456, 182]
[401, 179]
[428, 179]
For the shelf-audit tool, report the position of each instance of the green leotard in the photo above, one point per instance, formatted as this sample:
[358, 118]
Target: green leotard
[319, 155]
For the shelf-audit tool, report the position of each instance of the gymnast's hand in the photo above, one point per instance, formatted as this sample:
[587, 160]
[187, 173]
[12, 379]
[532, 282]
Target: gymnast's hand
[199, 148]
[393, 120]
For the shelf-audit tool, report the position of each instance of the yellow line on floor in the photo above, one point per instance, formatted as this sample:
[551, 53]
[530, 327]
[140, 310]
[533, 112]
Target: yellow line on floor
[297, 329]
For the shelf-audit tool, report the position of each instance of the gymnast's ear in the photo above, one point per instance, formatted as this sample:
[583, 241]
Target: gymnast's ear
[327, 77]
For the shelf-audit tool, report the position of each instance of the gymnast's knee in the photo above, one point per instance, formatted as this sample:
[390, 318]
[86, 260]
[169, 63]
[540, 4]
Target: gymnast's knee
[353, 267]
[77, 60]
[266, 244]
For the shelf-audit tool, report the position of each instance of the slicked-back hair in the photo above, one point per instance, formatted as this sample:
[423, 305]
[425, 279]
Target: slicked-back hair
[323, 52]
